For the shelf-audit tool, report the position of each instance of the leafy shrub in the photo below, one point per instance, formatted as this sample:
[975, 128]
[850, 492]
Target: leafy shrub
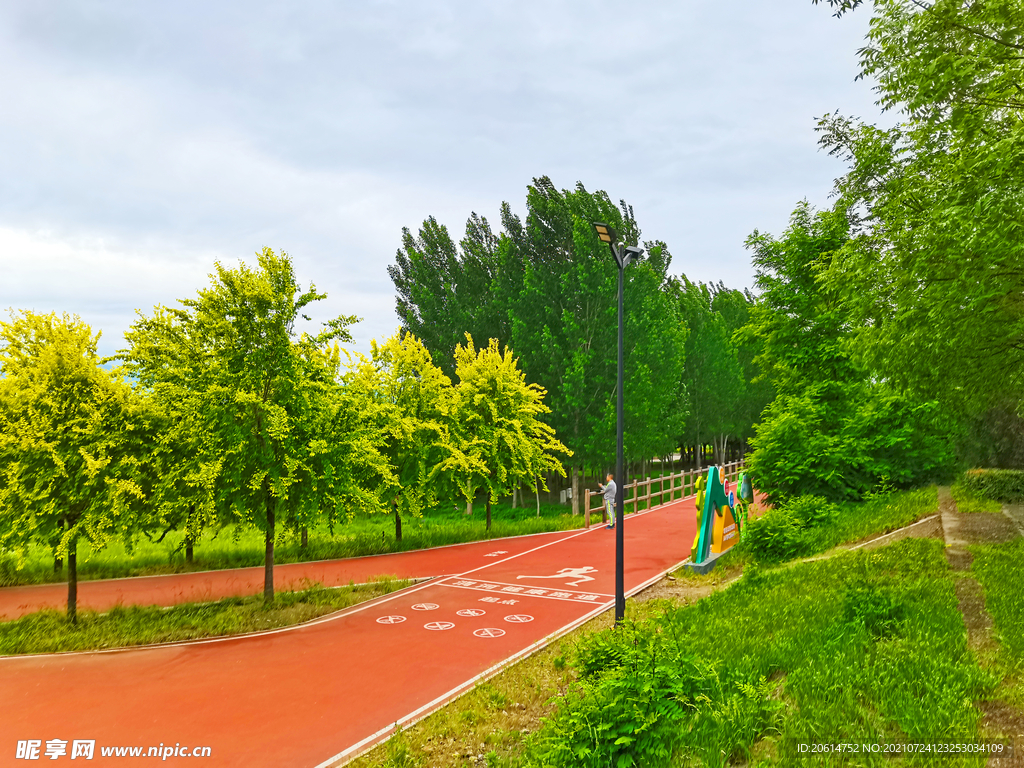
[841, 440]
[812, 511]
[641, 695]
[776, 536]
[1006, 485]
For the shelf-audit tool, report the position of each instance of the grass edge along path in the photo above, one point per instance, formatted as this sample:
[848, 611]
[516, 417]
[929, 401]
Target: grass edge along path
[489, 724]
[49, 631]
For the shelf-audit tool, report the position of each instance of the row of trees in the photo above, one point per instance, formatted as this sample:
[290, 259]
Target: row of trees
[547, 286]
[892, 325]
[222, 412]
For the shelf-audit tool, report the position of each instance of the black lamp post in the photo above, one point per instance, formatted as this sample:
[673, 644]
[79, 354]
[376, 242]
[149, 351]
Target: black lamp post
[624, 256]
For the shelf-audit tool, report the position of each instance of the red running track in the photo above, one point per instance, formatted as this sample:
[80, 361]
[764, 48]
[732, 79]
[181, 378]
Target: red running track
[207, 586]
[319, 693]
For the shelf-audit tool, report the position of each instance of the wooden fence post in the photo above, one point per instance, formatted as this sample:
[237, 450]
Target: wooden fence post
[586, 508]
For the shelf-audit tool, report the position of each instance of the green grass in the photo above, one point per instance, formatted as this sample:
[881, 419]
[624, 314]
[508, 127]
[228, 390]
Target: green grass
[867, 646]
[239, 547]
[968, 501]
[863, 647]
[998, 569]
[50, 631]
[780, 535]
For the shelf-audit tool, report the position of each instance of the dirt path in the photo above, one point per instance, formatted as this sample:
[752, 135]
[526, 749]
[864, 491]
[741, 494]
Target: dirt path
[999, 719]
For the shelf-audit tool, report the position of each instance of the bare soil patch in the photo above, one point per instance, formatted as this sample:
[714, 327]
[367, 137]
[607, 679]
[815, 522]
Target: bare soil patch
[971, 598]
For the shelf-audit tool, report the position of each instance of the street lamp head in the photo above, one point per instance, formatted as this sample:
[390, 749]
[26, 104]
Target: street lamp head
[632, 254]
[606, 233]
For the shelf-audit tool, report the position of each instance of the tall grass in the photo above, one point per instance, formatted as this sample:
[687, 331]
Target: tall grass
[970, 501]
[790, 531]
[998, 568]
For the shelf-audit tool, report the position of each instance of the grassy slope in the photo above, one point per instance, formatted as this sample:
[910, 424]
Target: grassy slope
[865, 645]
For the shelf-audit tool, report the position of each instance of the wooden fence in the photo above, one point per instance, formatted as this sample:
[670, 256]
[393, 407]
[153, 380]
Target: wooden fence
[669, 488]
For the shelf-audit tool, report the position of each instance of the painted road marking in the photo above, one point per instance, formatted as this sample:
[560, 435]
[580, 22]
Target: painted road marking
[438, 625]
[489, 632]
[391, 619]
[425, 607]
[471, 612]
[519, 618]
[495, 554]
[501, 588]
[580, 574]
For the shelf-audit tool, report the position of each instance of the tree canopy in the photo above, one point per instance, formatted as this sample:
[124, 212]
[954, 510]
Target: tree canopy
[933, 271]
[251, 390]
[74, 442]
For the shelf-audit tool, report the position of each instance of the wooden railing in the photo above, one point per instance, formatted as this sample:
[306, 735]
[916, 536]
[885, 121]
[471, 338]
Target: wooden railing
[670, 488]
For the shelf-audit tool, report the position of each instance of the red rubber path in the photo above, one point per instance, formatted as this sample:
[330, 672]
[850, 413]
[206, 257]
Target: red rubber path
[320, 692]
[204, 586]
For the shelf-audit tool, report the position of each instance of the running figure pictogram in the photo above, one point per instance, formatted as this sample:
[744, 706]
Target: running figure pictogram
[568, 573]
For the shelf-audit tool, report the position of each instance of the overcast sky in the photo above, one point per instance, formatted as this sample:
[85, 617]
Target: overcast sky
[142, 141]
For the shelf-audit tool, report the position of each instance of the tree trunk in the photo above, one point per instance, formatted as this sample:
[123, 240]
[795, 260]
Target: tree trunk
[700, 455]
[268, 558]
[189, 547]
[305, 537]
[488, 512]
[514, 491]
[575, 490]
[537, 493]
[398, 524]
[73, 581]
[58, 564]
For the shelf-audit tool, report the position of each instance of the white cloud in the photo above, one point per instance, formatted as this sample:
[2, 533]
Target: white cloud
[145, 140]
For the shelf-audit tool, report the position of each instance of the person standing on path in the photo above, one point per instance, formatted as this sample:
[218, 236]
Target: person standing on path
[608, 491]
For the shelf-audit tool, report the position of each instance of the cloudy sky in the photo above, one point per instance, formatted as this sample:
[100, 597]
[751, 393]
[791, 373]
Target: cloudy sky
[142, 141]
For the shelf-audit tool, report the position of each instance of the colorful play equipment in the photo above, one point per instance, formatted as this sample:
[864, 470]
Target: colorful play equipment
[718, 521]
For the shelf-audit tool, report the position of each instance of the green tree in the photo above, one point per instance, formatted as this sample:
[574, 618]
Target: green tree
[251, 390]
[444, 291]
[546, 287]
[413, 401]
[756, 391]
[74, 442]
[496, 418]
[831, 430]
[932, 272]
[565, 329]
[712, 377]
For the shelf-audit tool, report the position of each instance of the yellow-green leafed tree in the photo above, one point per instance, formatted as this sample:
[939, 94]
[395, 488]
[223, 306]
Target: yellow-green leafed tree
[413, 402]
[255, 401]
[75, 441]
[497, 420]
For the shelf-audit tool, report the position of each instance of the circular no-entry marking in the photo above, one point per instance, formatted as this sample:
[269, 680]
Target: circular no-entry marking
[489, 632]
[519, 618]
[471, 612]
[391, 619]
[438, 625]
[425, 607]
